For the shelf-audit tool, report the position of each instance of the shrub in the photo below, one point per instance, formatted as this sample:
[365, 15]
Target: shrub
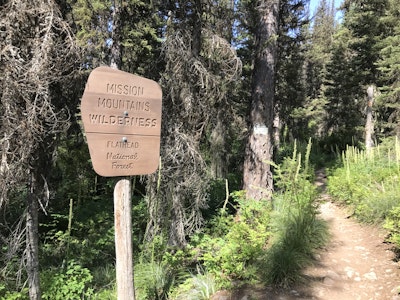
[392, 223]
[69, 284]
[232, 256]
[8, 295]
[368, 181]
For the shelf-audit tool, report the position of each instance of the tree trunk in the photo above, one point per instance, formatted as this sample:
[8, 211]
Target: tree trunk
[116, 55]
[32, 240]
[217, 148]
[369, 124]
[197, 26]
[257, 175]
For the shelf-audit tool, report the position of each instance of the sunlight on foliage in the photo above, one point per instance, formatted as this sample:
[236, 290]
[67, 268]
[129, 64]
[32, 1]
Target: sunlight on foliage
[369, 184]
[72, 283]
[297, 233]
[196, 287]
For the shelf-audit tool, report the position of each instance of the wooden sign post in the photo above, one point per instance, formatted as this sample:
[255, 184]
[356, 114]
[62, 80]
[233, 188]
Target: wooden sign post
[123, 240]
[121, 115]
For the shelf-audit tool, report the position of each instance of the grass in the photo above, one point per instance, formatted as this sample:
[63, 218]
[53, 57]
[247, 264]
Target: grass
[196, 287]
[298, 233]
[368, 182]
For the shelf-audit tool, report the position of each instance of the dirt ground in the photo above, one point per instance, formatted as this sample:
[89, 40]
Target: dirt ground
[356, 265]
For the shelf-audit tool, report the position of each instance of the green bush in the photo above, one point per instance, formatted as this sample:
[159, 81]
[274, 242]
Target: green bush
[69, 284]
[275, 239]
[8, 295]
[231, 248]
[392, 223]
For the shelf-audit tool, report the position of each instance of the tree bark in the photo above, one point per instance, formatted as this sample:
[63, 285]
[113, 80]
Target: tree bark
[197, 26]
[217, 148]
[369, 124]
[123, 240]
[32, 240]
[257, 175]
[116, 55]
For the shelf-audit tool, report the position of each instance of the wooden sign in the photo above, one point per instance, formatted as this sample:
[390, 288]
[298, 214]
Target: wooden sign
[121, 115]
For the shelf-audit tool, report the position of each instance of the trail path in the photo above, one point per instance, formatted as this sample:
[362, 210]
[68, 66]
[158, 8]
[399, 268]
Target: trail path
[356, 265]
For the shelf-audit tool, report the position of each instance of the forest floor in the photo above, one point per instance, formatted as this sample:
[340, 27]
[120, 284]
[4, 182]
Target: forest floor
[357, 264]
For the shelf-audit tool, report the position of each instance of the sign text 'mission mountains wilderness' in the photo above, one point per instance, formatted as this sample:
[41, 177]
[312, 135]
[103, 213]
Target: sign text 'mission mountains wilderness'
[121, 114]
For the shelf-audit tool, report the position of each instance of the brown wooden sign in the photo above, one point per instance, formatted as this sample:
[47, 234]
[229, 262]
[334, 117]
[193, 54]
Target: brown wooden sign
[121, 115]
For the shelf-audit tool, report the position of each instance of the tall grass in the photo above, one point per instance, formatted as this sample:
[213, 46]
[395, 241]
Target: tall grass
[297, 231]
[153, 280]
[369, 183]
[196, 287]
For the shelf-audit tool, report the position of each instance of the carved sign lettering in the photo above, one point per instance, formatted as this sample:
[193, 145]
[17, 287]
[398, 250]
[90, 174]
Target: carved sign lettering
[121, 115]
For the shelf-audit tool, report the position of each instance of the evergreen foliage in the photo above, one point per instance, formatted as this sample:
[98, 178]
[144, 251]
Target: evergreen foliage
[388, 110]
[199, 67]
[291, 80]
[140, 34]
[194, 231]
[317, 55]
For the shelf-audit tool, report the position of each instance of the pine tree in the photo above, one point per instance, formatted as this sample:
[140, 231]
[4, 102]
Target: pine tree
[291, 79]
[317, 56]
[344, 107]
[388, 104]
[38, 60]
[199, 65]
[138, 39]
[353, 68]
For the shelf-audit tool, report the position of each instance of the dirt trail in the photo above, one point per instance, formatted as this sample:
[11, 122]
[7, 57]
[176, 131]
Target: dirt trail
[356, 265]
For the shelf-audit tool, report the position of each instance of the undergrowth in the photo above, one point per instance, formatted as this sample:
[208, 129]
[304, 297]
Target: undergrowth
[297, 232]
[368, 182]
[266, 242]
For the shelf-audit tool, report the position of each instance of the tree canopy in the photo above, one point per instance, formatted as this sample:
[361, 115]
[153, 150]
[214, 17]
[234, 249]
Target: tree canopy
[241, 80]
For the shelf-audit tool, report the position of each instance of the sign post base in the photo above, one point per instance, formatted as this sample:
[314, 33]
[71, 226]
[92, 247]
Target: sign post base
[123, 240]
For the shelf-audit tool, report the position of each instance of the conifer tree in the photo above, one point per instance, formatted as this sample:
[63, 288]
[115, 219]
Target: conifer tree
[317, 49]
[388, 104]
[38, 57]
[139, 34]
[199, 65]
[353, 68]
[291, 78]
